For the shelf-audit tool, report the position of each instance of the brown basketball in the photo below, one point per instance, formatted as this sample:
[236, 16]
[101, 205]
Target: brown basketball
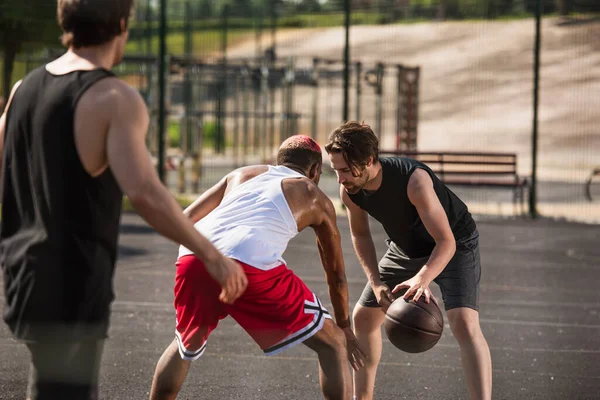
[414, 327]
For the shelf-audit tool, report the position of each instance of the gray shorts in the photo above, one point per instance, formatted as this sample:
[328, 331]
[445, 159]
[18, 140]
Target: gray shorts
[68, 370]
[459, 281]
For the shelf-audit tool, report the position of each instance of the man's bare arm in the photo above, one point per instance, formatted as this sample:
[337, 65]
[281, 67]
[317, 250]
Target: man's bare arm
[422, 195]
[329, 244]
[130, 162]
[361, 238]
[330, 251]
[365, 250]
[3, 128]
[208, 201]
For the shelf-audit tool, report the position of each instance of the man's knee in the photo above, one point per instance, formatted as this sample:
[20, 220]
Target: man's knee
[367, 319]
[330, 339]
[192, 346]
[464, 323]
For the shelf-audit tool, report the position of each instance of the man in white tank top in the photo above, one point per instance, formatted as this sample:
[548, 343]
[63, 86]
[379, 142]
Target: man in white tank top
[250, 216]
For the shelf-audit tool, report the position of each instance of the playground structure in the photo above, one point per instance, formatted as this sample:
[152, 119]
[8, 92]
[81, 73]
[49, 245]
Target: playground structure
[226, 113]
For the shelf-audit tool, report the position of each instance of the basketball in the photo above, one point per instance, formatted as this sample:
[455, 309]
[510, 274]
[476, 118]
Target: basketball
[414, 327]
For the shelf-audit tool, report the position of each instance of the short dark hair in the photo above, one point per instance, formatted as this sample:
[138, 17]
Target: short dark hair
[356, 142]
[91, 22]
[300, 151]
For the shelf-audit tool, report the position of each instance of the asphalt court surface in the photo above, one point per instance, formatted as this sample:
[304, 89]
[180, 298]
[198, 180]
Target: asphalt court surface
[540, 313]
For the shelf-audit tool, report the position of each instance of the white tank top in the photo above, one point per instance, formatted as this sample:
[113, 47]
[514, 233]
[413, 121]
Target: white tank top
[254, 223]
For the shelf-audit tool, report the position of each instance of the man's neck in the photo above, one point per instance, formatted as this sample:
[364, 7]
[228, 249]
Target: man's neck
[99, 56]
[295, 168]
[87, 58]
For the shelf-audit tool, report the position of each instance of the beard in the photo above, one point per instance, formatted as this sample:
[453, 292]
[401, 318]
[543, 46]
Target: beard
[358, 184]
[352, 189]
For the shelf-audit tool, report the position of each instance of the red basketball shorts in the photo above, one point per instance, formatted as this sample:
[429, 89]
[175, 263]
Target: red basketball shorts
[277, 309]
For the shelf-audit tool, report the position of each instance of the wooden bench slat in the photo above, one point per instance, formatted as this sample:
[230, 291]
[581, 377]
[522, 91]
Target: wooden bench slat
[473, 172]
[462, 162]
[485, 182]
[471, 169]
[448, 153]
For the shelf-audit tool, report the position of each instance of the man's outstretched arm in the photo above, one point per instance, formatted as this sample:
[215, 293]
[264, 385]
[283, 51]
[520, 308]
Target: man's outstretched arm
[131, 164]
[330, 252]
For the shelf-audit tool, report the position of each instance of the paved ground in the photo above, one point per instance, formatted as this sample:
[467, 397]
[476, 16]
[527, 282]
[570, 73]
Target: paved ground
[539, 310]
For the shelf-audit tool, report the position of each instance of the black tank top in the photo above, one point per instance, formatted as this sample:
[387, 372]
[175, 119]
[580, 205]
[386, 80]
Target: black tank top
[58, 239]
[391, 207]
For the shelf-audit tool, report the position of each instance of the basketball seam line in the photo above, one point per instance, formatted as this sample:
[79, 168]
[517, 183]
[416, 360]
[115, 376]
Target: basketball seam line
[427, 311]
[412, 327]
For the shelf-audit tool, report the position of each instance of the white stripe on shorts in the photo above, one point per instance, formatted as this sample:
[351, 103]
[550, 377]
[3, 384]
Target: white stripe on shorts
[189, 355]
[311, 307]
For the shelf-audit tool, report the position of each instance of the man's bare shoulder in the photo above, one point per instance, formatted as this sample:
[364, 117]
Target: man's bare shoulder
[306, 190]
[244, 174]
[111, 93]
[419, 179]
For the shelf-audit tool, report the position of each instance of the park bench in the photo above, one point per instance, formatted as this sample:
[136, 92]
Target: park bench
[497, 170]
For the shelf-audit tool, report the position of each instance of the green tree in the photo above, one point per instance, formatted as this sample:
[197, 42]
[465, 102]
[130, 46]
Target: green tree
[25, 24]
[205, 8]
[309, 6]
[334, 5]
[562, 7]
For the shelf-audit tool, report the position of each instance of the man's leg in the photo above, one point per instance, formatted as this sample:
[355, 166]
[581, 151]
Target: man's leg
[459, 283]
[170, 374]
[367, 328]
[334, 369]
[198, 312]
[64, 370]
[474, 351]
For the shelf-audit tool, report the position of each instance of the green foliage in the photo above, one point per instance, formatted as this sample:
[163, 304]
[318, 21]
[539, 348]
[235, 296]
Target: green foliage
[19, 71]
[587, 6]
[548, 6]
[30, 23]
[328, 19]
[308, 6]
[209, 134]
[174, 134]
[203, 42]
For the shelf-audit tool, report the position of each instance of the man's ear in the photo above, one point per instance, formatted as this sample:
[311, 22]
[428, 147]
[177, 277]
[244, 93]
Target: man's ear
[313, 171]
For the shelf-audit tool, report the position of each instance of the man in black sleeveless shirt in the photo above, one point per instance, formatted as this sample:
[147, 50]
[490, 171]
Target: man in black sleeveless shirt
[432, 238]
[72, 142]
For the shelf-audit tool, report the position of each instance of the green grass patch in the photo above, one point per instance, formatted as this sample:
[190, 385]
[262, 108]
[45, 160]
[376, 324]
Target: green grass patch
[322, 19]
[202, 42]
[174, 133]
[209, 135]
[329, 19]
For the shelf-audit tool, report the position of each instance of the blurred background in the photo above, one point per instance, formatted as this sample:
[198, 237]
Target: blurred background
[500, 97]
